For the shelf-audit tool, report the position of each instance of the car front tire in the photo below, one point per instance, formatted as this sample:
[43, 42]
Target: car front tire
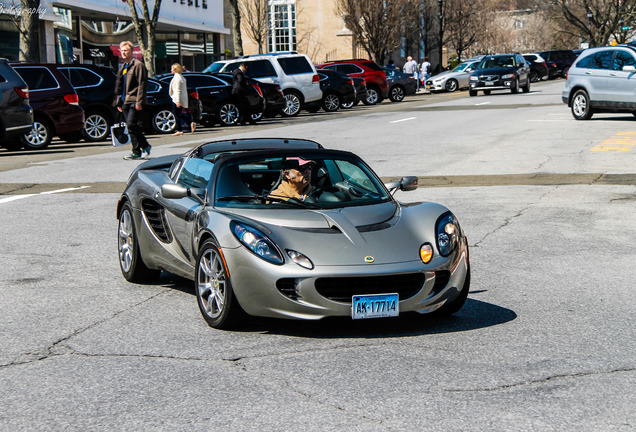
[581, 109]
[458, 302]
[213, 288]
[373, 97]
[514, 88]
[130, 262]
[451, 85]
[472, 92]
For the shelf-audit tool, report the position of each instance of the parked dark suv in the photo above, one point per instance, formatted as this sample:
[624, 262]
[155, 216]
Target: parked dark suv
[562, 58]
[500, 72]
[377, 85]
[95, 87]
[16, 115]
[55, 104]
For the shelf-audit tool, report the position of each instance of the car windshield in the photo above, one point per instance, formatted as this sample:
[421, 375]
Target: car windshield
[298, 182]
[214, 67]
[497, 62]
[461, 67]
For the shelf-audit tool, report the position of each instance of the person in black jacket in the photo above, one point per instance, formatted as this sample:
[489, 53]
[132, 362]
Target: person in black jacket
[239, 90]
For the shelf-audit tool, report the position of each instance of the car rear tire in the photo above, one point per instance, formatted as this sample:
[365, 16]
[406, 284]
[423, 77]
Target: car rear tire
[96, 127]
[257, 116]
[130, 262]
[472, 92]
[534, 76]
[451, 85]
[293, 103]
[163, 121]
[581, 109]
[40, 135]
[228, 114]
[347, 105]
[397, 94]
[213, 288]
[331, 102]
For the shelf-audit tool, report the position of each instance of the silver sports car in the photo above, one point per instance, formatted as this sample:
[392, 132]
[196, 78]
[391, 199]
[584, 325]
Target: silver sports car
[343, 246]
[454, 79]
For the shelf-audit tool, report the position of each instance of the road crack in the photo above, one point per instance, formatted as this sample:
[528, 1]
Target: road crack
[542, 380]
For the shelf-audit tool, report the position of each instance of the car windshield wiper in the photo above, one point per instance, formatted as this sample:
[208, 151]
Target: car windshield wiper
[293, 201]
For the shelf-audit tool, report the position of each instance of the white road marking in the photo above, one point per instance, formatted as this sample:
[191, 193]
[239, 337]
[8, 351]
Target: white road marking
[18, 197]
[483, 103]
[403, 120]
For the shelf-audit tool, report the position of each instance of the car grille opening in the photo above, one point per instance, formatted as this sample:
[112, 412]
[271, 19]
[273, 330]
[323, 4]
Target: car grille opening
[341, 289]
[156, 219]
[441, 280]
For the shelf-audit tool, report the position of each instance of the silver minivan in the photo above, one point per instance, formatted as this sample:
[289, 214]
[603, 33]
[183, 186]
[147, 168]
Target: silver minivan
[294, 73]
[603, 79]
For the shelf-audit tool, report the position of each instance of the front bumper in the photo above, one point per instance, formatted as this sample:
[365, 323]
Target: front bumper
[289, 291]
[492, 85]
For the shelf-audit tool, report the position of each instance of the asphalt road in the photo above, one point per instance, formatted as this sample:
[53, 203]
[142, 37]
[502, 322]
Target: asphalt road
[546, 340]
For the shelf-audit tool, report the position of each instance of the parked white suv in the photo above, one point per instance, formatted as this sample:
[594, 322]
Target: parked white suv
[601, 80]
[294, 73]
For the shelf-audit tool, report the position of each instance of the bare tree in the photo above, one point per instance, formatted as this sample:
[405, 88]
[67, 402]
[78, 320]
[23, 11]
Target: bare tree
[595, 20]
[254, 14]
[465, 22]
[27, 21]
[376, 25]
[235, 9]
[145, 30]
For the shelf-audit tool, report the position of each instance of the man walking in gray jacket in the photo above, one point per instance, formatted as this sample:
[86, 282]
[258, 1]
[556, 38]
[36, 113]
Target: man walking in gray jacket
[130, 96]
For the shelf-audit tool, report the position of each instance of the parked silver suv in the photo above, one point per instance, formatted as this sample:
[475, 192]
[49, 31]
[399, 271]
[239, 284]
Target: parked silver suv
[602, 80]
[294, 73]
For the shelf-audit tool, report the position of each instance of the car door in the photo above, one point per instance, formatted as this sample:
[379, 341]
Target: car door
[594, 73]
[622, 83]
[183, 214]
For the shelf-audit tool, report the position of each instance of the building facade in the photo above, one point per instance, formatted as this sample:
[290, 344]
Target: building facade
[190, 32]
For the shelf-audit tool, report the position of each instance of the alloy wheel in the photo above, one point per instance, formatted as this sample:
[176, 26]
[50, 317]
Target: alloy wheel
[96, 127]
[126, 242]
[292, 106]
[211, 283]
[229, 114]
[164, 121]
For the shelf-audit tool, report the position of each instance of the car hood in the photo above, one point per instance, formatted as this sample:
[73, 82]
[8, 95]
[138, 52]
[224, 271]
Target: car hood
[389, 232]
[446, 74]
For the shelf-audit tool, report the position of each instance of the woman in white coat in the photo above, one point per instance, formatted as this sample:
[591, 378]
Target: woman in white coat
[179, 95]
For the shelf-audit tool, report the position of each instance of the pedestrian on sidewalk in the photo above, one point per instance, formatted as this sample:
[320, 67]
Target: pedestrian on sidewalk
[179, 95]
[130, 97]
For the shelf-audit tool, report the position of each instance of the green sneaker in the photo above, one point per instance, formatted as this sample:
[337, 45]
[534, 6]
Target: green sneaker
[146, 150]
[133, 156]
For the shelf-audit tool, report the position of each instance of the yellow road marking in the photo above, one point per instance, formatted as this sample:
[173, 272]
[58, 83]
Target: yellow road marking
[622, 141]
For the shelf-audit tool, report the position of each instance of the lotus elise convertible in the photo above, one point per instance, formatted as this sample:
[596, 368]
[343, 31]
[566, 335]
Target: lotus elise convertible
[347, 248]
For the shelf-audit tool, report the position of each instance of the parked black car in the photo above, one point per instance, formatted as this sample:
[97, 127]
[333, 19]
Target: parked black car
[215, 94]
[275, 100]
[361, 93]
[538, 67]
[400, 84]
[562, 58]
[16, 115]
[55, 104]
[95, 87]
[337, 88]
[500, 72]
[158, 113]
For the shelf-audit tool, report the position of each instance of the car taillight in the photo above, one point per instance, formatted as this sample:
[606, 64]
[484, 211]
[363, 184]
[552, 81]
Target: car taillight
[195, 95]
[72, 98]
[280, 90]
[350, 82]
[315, 78]
[23, 91]
[258, 89]
[364, 82]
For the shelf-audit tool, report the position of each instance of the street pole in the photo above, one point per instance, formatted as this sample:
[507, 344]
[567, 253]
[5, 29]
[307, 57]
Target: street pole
[441, 32]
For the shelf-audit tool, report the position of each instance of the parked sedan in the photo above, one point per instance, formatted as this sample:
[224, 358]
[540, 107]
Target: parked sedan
[213, 215]
[400, 84]
[500, 72]
[337, 88]
[275, 101]
[16, 115]
[215, 94]
[454, 79]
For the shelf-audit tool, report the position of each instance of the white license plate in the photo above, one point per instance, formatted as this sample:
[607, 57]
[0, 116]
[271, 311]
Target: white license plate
[375, 306]
[490, 83]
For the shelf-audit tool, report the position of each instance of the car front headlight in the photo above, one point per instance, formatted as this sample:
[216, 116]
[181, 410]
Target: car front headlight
[474, 78]
[447, 234]
[508, 76]
[257, 242]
